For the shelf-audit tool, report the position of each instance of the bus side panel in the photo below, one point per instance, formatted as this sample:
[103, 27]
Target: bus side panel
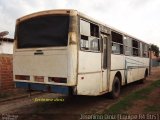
[89, 73]
[131, 67]
[135, 74]
[141, 73]
[89, 62]
[117, 62]
[135, 68]
[88, 84]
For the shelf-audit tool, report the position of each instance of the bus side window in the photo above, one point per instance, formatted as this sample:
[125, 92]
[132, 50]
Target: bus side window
[145, 50]
[94, 30]
[85, 28]
[135, 47]
[94, 38]
[89, 36]
[94, 44]
[84, 42]
[117, 43]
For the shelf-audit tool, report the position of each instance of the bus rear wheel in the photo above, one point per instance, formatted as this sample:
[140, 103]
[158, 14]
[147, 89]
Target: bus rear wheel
[116, 88]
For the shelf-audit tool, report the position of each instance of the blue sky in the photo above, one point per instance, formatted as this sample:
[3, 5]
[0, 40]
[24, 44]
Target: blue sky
[139, 18]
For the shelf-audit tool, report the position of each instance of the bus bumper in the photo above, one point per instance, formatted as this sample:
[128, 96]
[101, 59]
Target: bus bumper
[43, 87]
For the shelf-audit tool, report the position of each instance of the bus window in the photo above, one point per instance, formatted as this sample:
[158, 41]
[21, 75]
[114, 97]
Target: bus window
[94, 30]
[94, 44]
[117, 43]
[135, 45]
[84, 28]
[43, 31]
[135, 52]
[145, 50]
[90, 43]
[89, 36]
[84, 42]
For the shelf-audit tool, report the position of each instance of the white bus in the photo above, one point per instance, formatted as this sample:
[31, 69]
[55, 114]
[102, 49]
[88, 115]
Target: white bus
[65, 51]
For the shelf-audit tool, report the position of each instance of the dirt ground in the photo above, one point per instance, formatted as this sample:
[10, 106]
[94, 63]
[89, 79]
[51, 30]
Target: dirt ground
[140, 105]
[153, 99]
[73, 107]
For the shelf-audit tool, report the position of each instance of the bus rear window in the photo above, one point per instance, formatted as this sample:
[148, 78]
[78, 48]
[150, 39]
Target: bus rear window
[43, 31]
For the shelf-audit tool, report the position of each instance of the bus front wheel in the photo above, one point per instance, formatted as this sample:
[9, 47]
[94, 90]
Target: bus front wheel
[116, 88]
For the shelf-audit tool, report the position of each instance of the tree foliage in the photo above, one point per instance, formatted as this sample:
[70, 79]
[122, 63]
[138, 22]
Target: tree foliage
[155, 49]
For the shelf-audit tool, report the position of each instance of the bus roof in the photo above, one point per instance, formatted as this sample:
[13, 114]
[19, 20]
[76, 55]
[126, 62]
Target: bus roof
[75, 12]
[106, 25]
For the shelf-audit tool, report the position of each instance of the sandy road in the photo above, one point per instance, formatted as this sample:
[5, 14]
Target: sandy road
[71, 108]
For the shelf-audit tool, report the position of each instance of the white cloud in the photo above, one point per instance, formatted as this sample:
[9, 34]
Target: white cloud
[139, 18]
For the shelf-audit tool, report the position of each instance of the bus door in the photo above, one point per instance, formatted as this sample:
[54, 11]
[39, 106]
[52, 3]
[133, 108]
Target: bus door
[105, 61]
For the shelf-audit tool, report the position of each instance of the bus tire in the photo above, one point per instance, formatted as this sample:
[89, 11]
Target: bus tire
[116, 88]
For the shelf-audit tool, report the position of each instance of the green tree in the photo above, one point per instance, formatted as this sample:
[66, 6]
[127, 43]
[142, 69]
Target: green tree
[155, 49]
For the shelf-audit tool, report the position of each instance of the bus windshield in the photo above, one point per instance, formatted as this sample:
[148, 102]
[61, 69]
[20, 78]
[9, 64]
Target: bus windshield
[43, 31]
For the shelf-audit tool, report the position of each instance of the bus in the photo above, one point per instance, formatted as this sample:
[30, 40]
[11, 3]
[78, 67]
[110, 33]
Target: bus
[65, 51]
